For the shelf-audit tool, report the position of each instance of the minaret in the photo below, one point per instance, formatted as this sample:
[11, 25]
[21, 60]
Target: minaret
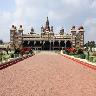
[32, 31]
[20, 37]
[73, 32]
[47, 27]
[42, 29]
[20, 30]
[62, 31]
[81, 36]
[47, 22]
[12, 37]
[51, 29]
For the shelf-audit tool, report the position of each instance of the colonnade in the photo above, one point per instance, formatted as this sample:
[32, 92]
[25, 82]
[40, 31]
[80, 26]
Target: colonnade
[48, 45]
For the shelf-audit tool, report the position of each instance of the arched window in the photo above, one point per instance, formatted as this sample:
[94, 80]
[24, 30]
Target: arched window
[68, 44]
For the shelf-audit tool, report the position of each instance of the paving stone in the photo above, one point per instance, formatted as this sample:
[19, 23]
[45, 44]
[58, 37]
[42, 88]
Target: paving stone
[47, 74]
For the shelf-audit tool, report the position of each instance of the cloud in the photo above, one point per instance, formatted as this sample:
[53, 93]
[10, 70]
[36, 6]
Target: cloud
[5, 18]
[90, 25]
[64, 13]
[93, 4]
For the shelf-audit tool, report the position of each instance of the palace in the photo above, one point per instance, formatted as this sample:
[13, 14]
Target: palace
[47, 40]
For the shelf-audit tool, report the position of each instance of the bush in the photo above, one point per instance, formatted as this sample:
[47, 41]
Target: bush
[12, 55]
[31, 51]
[17, 51]
[67, 52]
[82, 56]
[80, 51]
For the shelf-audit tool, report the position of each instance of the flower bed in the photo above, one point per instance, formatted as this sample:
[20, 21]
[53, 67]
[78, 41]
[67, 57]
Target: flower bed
[80, 61]
[79, 54]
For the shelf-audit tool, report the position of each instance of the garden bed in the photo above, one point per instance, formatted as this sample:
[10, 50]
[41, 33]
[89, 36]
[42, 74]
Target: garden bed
[80, 61]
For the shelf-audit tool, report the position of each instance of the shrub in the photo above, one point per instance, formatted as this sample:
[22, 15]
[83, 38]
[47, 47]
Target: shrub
[80, 51]
[12, 55]
[82, 56]
[17, 51]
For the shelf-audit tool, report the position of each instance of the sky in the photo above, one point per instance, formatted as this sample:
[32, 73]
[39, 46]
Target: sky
[61, 13]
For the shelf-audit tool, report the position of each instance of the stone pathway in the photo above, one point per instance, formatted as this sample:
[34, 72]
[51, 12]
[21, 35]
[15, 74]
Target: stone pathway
[47, 74]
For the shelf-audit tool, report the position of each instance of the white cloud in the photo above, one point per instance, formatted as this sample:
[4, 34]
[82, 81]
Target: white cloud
[5, 18]
[93, 4]
[90, 25]
[61, 13]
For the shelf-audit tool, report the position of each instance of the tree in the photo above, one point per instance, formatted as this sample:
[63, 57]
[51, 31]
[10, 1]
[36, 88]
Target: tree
[90, 45]
[1, 42]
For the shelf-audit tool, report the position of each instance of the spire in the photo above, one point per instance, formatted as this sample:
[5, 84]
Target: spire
[47, 22]
[62, 31]
[47, 18]
[47, 27]
[32, 30]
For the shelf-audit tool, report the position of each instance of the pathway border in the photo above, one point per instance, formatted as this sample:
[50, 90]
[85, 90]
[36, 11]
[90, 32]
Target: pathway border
[12, 62]
[80, 61]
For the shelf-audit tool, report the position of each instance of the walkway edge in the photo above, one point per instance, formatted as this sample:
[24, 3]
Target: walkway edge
[80, 61]
[10, 63]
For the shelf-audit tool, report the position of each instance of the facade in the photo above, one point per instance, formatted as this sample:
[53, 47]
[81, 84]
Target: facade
[47, 40]
[5, 45]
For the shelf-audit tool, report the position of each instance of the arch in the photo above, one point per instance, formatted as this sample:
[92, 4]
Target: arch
[37, 43]
[62, 44]
[31, 43]
[46, 45]
[68, 44]
[56, 44]
[25, 43]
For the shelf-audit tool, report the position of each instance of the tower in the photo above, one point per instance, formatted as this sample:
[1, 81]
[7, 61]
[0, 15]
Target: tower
[12, 37]
[47, 31]
[20, 38]
[32, 31]
[62, 31]
[81, 36]
[73, 32]
[51, 29]
[47, 27]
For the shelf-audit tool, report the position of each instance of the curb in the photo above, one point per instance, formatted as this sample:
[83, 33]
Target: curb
[10, 63]
[80, 62]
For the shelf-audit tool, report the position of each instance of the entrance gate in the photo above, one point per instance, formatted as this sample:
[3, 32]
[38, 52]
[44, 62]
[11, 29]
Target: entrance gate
[46, 45]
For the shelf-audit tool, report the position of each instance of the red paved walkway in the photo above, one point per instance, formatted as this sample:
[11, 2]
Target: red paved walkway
[47, 74]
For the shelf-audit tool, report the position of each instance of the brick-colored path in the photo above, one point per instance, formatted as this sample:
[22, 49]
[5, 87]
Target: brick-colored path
[47, 74]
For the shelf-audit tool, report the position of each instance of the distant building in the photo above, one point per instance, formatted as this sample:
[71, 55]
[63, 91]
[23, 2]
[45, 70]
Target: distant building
[5, 46]
[47, 40]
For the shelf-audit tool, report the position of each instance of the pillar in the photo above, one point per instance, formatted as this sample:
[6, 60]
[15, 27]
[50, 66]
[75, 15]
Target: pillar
[65, 43]
[59, 44]
[50, 44]
[53, 44]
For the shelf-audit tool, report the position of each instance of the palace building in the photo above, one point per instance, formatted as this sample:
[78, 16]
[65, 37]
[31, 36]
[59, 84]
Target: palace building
[47, 39]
